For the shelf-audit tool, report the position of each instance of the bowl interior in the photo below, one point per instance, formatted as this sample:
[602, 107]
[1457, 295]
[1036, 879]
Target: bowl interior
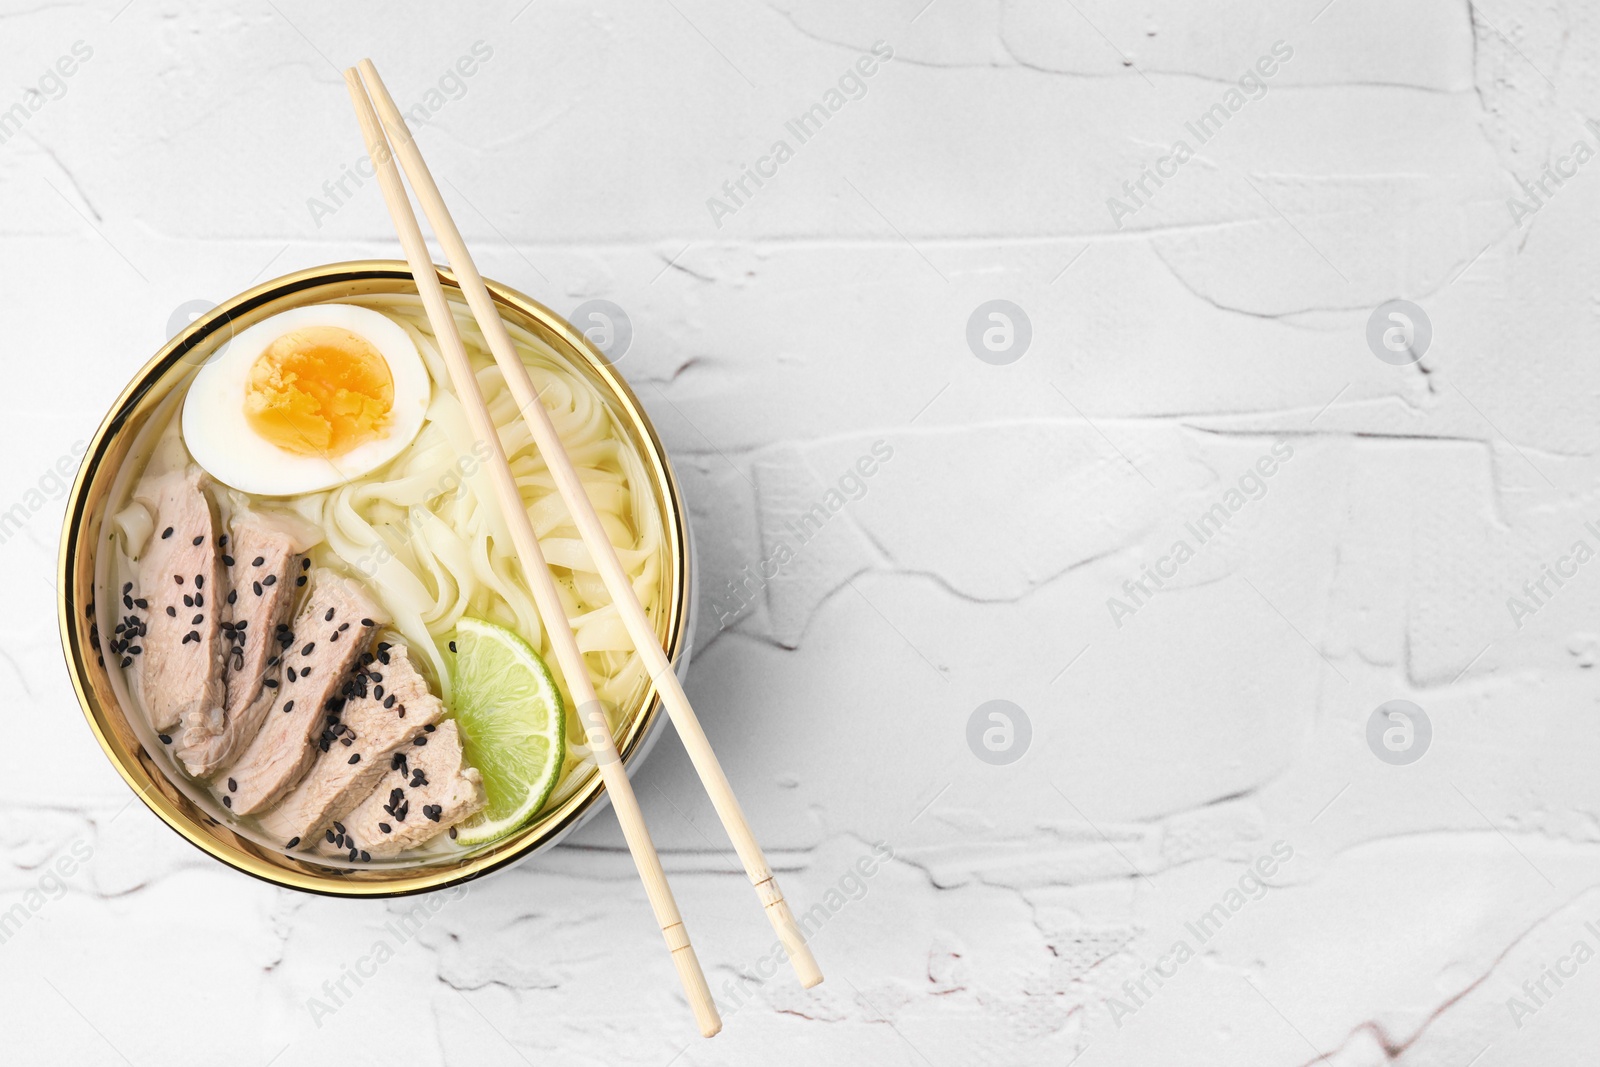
[98, 486]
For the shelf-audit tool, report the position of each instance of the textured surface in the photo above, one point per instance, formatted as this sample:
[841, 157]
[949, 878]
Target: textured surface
[1035, 911]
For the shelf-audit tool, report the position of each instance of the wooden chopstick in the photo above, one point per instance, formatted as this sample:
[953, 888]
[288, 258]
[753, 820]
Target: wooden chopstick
[532, 558]
[640, 631]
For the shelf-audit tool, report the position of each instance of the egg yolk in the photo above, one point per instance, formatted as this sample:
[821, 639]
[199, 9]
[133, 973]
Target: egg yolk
[319, 391]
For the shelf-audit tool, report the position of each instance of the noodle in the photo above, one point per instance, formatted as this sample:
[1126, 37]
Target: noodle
[433, 553]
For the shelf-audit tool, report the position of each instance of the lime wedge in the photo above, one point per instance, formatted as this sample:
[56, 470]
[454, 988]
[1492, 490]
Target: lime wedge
[513, 726]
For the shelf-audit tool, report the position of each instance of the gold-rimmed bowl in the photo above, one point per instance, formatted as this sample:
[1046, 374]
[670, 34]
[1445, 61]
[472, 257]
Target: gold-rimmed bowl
[93, 494]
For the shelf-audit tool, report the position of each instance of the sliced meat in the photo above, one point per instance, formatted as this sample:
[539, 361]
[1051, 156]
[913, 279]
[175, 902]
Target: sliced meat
[426, 790]
[180, 651]
[331, 631]
[386, 706]
[265, 571]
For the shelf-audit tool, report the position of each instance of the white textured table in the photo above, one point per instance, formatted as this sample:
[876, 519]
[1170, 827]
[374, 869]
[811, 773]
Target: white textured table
[1197, 533]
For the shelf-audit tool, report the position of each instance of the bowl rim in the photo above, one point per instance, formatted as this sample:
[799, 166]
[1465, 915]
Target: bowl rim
[305, 877]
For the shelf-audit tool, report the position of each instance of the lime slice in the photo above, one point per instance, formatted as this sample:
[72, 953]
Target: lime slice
[513, 726]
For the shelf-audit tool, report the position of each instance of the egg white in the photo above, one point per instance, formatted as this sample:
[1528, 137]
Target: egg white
[223, 444]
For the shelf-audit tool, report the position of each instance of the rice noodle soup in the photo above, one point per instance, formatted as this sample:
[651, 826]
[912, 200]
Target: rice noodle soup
[299, 541]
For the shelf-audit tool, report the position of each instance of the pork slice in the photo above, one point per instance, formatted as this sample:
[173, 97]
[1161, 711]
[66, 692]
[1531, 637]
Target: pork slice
[386, 707]
[317, 650]
[265, 570]
[180, 651]
[426, 790]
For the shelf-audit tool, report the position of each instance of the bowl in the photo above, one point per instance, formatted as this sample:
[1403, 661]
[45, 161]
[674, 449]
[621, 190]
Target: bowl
[95, 488]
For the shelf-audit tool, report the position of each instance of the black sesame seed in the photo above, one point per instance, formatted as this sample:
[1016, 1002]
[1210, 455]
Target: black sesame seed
[166, 739]
[172, 611]
[258, 561]
[329, 616]
[227, 561]
[233, 786]
[227, 802]
[428, 728]
[452, 833]
[288, 705]
[166, 533]
[389, 701]
[293, 841]
[300, 580]
[329, 836]
[199, 600]
[305, 564]
[356, 758]
[127, 602]
[353, 854]
[339, 826]
[272, 683]
[197, 620]
[419, 740]
[127, 661]
[199, 581]
[386, 828]
[141, 602]
[257, 587]
[452, 646]
[307, 648]
[377, 692]
[271, 579]
[368, 622]
[233, 596]
[178, 578]
[343, 626]
[198, 539]
[366, 857]
[188, 601]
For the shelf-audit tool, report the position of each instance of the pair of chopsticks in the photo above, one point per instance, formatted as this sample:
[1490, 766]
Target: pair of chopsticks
[385, 139]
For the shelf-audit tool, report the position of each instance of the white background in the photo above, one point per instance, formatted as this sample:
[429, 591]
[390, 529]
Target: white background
[1226, 315]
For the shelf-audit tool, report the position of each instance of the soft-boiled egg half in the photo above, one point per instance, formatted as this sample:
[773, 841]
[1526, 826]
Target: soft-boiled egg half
[306, 400]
